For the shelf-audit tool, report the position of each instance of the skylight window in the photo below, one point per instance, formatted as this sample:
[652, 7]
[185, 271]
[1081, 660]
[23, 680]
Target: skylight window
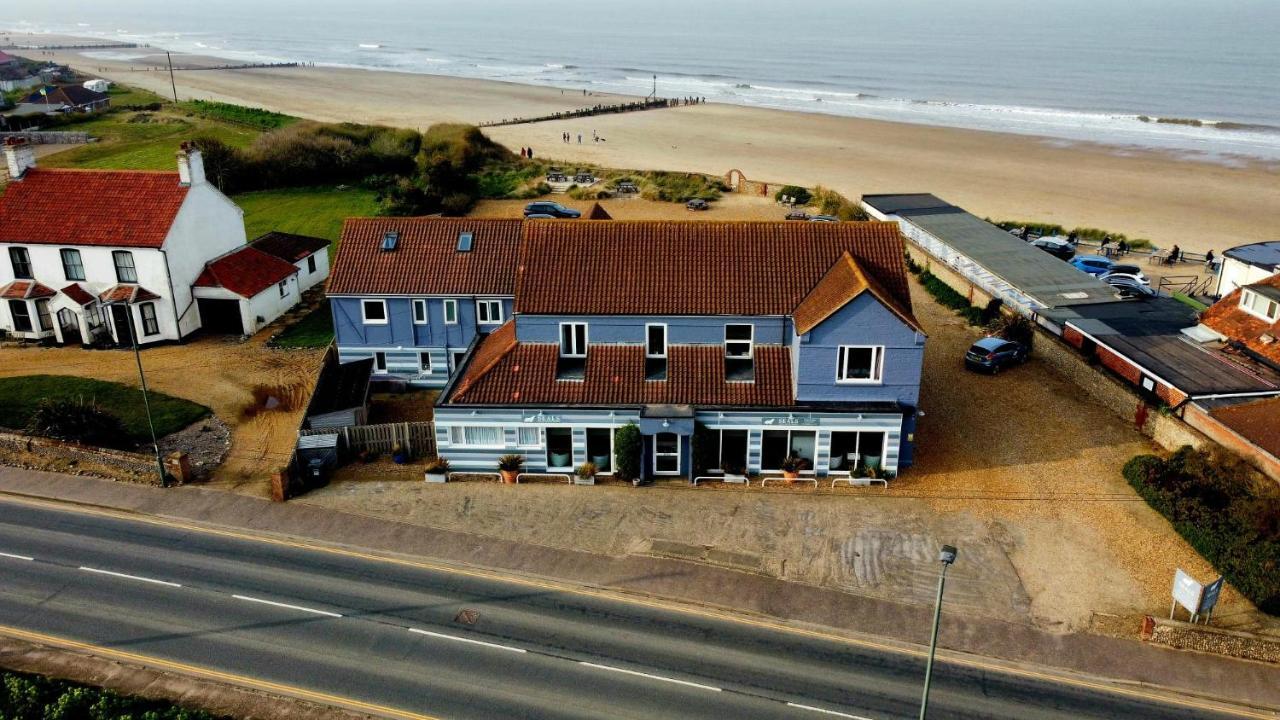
[389, 240]
[464, 241]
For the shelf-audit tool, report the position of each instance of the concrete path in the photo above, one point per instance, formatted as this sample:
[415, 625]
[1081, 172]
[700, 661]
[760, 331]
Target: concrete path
[1129, 661]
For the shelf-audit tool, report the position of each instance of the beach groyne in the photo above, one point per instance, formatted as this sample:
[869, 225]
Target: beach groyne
[237, 66]
[595, 110]
[84, 46]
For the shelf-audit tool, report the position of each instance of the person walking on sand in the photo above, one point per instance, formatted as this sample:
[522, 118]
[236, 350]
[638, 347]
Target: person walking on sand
[579, 138]
[530, 153]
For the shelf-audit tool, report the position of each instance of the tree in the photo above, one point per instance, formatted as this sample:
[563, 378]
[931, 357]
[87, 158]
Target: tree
[627, 449]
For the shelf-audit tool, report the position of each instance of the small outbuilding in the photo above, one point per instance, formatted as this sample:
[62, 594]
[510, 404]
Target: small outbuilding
[244, 290]
[309, 254]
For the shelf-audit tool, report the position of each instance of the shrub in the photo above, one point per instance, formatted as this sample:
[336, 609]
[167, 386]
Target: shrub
[830, 202]
[1223, 509]
[586, 470]
[436, 466]
[511, 463]
[78, 420]
[793, 463]
[457, 204]
[627, 446]
[802, 196]
[239, 114]
[679, 187]
[31, 697]
[1012, 327]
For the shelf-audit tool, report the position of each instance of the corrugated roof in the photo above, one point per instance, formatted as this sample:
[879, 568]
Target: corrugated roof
[694, 267]
[118, 208]
[245, 272]
[426, 260]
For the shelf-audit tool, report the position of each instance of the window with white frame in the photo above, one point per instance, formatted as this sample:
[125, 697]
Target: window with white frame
[284, 287]
[655, 352]
[738, 341]
[72, 264]
[860, 364]
[529, 436]
[476, 436]
[1257, 304]
[20, 259]
[373, 312]
[380, 362]
[489, 312]
[420, 311]
[450, 312]
[424, 363]
[573, 340]
[150, 325]
[126, 271]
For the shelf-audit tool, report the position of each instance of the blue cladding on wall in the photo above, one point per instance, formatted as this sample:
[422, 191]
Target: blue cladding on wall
[400, 330]
[681, 329]
[862, 322]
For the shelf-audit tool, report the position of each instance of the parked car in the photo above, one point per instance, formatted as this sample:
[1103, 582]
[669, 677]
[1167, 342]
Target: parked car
[797, 215]
[824, 218]
[1092, 264]
[1127, 287]
[1129, 271]
[626, 186]
[698, 204]
[539, 216]
[1055, 247]
[990, 354]
[553, 209]
[584, 178]
[556, 177]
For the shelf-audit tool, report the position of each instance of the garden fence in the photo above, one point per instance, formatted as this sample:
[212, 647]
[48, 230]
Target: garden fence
[417, 438]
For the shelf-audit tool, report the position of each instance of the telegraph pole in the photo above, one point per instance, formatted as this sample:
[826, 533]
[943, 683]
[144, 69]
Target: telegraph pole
[172, 84]
[146, 402]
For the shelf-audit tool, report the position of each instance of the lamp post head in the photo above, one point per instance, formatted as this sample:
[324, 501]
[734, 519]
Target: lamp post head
[947, 555]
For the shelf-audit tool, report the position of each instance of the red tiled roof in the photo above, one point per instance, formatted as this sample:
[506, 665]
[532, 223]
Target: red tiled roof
[492, 350]
[287, 246]
[842, 283]
[78, 294]
[695, 267]
[245, 272]
[119, 208]
[426, 260]
[1257, 421]
[525, 373]
[25, 290]
[127, 293]
[1227, 317]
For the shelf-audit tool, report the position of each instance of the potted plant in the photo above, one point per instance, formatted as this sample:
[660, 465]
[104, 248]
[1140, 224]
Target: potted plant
[791, 467]
[437, 470]
[735, 474]
[585, 474]
[510, 467]
[398, 454]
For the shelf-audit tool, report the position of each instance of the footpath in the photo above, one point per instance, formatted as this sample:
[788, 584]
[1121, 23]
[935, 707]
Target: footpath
[1019, 646]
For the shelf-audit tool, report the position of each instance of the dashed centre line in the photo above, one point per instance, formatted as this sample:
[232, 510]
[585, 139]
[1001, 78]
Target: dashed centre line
[637, 673]
[287, 606]
[824, 711]
[455, 638]
[126, 576]
[17, 557]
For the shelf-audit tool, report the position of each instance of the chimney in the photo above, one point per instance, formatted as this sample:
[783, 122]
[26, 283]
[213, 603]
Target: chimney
[190, 165]
[18, 156]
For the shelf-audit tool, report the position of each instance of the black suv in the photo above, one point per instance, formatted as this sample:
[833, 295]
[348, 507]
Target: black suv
[553, 209]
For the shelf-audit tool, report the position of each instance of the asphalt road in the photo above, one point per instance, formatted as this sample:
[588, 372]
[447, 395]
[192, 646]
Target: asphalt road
[398, 636]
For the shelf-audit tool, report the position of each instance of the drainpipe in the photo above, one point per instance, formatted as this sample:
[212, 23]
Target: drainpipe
[173, 298]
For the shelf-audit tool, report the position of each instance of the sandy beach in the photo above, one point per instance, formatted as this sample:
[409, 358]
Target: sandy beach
[1196, 203]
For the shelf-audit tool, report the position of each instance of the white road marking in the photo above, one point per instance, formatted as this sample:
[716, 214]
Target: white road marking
[286, 605]
[826, 712]
[17, 557]
[651, 677]
[442, 636]
[139, 578]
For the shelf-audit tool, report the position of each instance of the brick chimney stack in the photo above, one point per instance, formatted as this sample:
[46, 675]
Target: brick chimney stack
[18, 156]
[190, 165]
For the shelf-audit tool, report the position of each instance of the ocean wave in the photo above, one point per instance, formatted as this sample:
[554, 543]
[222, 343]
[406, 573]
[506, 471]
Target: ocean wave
[370, 46]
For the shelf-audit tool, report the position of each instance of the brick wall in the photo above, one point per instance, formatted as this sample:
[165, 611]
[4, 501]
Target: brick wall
[1226, 437]
[57, 456]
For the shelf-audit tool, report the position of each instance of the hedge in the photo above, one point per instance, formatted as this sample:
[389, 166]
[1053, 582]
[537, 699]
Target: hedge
[32, 697]
[1224, 510]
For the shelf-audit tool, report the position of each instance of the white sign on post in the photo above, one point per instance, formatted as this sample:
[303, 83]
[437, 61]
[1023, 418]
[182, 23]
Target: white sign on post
[1187, 592]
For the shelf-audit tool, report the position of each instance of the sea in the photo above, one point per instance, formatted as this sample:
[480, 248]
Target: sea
[1194, 77]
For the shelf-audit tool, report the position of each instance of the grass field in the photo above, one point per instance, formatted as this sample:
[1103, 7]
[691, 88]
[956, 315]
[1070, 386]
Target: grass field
[128, 140]
[19, 397]
[315, 211]
[313, 331]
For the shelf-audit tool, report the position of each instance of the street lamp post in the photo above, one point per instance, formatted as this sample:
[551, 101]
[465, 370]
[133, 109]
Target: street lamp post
[946, 556]
[146, 402]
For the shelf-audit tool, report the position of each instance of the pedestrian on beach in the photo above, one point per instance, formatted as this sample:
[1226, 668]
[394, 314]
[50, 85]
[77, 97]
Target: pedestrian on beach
[579, 138]
[1208, 261]
[1123, 247]
[1175, 254]
[530, 153]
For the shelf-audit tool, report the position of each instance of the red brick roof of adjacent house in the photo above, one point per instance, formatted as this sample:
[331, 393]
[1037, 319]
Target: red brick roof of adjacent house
[1257, 421]
[842, 283]
[78, 294]
[25, 290]
[426, 260]
[1227, 317]
[525, 373]
[127, 294]
[118, 208]
[287, 246]
[695, 267]
[245, 272]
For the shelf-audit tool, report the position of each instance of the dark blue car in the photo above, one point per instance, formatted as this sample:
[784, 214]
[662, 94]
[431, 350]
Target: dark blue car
[992, 353]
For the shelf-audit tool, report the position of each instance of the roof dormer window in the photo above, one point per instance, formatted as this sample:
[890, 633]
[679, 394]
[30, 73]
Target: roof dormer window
[572, 363]
[655, 352]
[1254, 302]
[739, 353]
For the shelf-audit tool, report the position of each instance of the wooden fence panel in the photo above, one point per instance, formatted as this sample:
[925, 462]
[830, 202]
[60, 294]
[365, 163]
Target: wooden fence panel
[417, 438]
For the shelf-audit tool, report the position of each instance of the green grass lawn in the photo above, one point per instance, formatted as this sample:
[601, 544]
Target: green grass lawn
[315, 211]
[313, 331]
[20, 395]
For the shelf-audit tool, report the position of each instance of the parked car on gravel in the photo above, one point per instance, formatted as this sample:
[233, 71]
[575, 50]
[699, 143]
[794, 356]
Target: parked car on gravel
[798, 215]
[824, 218]
[1092, 264]
[990, 354]
[1132, 272]
[553, 209]
[1060, 249]
[698, 204]
[1129, 288]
